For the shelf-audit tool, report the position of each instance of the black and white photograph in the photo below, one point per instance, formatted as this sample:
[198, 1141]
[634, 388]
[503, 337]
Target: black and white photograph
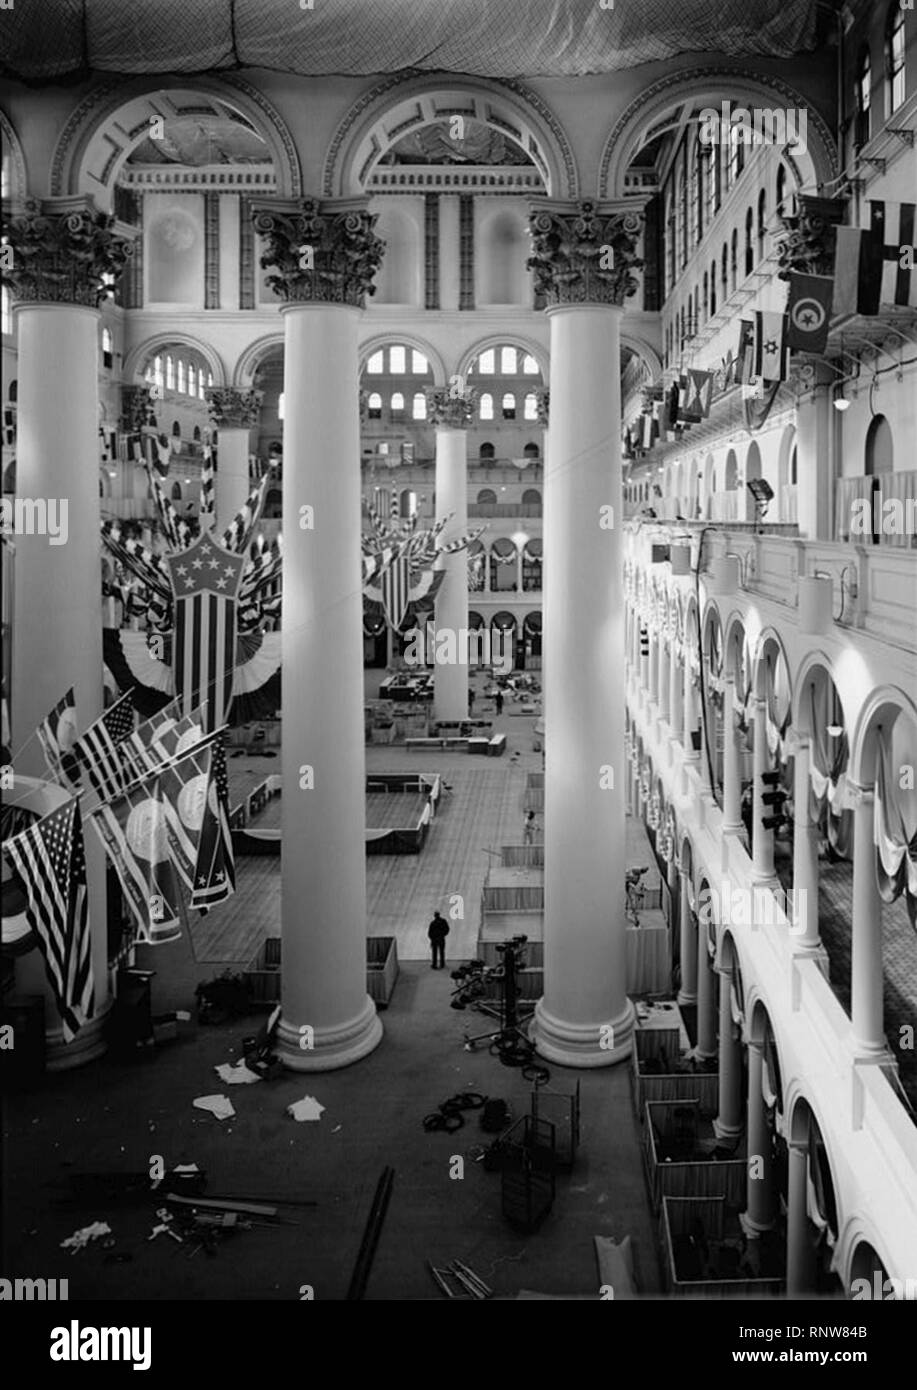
[459, 673]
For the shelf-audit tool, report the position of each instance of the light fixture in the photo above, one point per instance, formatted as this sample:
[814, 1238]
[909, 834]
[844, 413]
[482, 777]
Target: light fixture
[841, 402]
[834, 730]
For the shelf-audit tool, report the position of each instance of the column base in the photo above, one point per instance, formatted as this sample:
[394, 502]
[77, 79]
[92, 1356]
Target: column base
[331, 1047]
[685, 996]
[89, 1043]
[752, 1228]
[578, 1044]
[724, 1131]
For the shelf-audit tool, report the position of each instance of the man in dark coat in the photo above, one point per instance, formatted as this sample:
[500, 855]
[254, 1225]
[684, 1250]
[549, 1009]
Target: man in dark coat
[437, 931]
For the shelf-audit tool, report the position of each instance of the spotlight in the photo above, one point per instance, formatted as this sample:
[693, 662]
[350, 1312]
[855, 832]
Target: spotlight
[760, 490]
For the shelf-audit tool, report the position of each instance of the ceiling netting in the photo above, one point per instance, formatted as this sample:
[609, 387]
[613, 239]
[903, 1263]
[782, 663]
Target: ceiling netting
[48, 39]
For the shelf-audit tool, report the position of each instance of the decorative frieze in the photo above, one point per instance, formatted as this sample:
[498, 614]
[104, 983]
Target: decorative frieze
[320, 252]
[64, 251]
[450, 409]
[809, 238]
[231, 408]
[583, 254]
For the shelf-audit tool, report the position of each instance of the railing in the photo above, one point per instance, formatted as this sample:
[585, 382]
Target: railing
[529, 509]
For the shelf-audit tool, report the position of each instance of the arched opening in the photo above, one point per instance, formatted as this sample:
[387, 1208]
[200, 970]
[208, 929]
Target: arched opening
[503, 566]
[532, 566]
[812, 1206]
[753, 471]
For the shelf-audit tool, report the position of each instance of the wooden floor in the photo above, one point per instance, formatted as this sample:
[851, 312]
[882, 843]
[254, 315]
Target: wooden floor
[484, 810]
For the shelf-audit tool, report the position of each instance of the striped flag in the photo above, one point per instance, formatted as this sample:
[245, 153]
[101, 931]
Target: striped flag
[57, 735]
[97, 754]
[892, 229]
[215, 873]
[396, 583]
[206, 579]
[239, 531]
[135, 833]
[700, 393]
[167, 735]
[769, 351]
[858, 271]
[208, 472]
[50, 859]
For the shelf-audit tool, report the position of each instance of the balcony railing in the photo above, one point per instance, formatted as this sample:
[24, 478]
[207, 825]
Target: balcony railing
[493, 509]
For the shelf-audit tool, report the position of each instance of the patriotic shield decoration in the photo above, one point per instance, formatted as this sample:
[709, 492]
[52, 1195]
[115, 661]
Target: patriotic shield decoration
[206, 579]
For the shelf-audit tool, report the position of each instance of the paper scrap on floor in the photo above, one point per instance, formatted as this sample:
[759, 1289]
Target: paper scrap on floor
[82, 1237]
[219, 1106]
[306, 1109]
[236, 1074]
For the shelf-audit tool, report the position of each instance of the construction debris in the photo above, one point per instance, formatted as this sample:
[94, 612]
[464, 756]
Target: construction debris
[81, 1238]
[220, 1107]
[306, 1109]
[236, 1074]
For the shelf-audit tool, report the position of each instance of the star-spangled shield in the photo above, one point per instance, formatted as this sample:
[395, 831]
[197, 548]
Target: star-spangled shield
[206, 579]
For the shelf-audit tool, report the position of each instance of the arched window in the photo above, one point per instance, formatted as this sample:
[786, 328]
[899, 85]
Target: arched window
[397, 403]
[170, 374]
[419, 406]
[699, 203]
[736, 153]
[374, 406]
[894, 56]
[530, 407]
[192, 380]
[486, 451]
[419, 364]
[280, 405]
[200, 384]
[12, 394]
[486, 363]
[712, 288]
[714, 182]
[396, 360]
[781, 190]
[407, 504]
[669, 243]
[508, 361]
[176, 492]
[706, 297]
[210, 378]
[529, 365]
[375, 364]
[531, 497]
[486, 497]
[108, 348]
[749, 242]
[509, 406]
[863, 98]
[176, 430]
[724, 272]
[486, 410]
[531, 451]
[879, 447]
[794, 464]
[181, 376]
[762, 224]
[196, 434]
[734, 258]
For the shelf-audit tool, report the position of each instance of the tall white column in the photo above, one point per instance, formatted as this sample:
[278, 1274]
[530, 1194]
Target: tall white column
[805, 854]
[676, 696]
[759, 1202]
[728, 1123]
[814, 426]
[451, 416]
[798, 1245]
[58, 259]
[762, 840]
[732, 781]
[584, 1017]
[664, 690]
[687, 944]
[706, 1003]
[654, 666]
[866, 1004]
[234, 413]
[328, 1018]
[690, 711]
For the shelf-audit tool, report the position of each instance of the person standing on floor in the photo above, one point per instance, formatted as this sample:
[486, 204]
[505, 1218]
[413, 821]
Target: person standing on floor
[470, 700]
[528, 829]
[498, 701]
[437, 931]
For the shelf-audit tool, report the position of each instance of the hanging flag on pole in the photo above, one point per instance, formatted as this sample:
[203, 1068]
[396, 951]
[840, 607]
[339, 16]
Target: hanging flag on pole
[892, 228]
[96, 753]
[57, 735]
[206, 579]
[809, 312]
[135, 833]
[50, 859]
[858, 271]
[769, 354]
[700, 393]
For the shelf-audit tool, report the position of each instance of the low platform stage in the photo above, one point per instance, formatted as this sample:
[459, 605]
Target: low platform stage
[400, 808]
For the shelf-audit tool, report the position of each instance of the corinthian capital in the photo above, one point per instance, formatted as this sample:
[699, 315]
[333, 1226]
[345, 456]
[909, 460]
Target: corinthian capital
[808, 240]
[584, 254]
[321, 252]
[61, 250]
[233, 409]
[449, 408]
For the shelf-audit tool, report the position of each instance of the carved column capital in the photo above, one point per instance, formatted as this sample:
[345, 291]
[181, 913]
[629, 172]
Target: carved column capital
[584, 254]
[231, 408]
[62, 249]
[321, 252]
[809, 238]
[449, 409]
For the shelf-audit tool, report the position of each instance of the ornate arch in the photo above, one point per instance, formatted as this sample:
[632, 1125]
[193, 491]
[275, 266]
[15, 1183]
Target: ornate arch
[641, 348]
[862, 751]
[812, 661]
[19, 184]
[250, 358]
[508, 339]
[382, 115]
[713, 84]
[134, 359]
[411, 340]
[115, 117]
[769, 634]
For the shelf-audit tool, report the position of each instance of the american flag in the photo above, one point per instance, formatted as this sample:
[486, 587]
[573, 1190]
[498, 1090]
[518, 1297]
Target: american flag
[97, 752]
[57, 735]
[208, 472]
[206, 580]
[50, 859]
[165, 736]
[196, 800]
